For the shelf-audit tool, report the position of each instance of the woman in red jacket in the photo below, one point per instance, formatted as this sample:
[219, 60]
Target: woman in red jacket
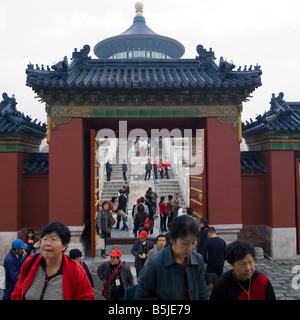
[163, 214]
[30, 240]
[52, 275]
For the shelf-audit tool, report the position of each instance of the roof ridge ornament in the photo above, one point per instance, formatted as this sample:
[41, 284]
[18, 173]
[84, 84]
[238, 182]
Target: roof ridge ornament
[278, 99]
[81, 58]
[225, 67]
[277, 103]
[62, 68]
[82, 54]
[205, 57]
[8, 105]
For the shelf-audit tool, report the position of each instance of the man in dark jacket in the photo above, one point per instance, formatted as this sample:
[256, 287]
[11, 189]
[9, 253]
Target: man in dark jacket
[149, 204]
[214, 252]
[121, 280]
[12, 266]
[148, 168]
[124, 169]
[108, 167]
[140, 249]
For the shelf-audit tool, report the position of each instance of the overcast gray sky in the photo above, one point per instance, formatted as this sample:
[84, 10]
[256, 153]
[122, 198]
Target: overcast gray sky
[245, 32]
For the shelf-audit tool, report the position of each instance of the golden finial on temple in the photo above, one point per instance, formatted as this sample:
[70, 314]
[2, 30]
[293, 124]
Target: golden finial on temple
[139, 6]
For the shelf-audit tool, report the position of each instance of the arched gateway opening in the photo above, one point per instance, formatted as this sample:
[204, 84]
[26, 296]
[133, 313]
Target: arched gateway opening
[178, 142]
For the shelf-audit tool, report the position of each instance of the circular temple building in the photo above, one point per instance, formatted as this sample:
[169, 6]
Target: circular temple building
[139, 42]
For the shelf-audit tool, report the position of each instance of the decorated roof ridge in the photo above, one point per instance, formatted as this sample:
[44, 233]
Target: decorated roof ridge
[250, 160]
[83, 71]
[282, 116]
[12, 120]
[139, 37]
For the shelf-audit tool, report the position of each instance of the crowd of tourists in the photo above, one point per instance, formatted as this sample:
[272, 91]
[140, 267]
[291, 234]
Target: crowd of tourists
[185, 264]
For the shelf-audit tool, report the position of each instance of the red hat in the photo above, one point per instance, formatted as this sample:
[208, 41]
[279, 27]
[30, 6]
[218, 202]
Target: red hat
[138, 200]
[116, 253]
[143, 234]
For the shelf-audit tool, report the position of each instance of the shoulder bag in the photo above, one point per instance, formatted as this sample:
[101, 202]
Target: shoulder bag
[104, 292]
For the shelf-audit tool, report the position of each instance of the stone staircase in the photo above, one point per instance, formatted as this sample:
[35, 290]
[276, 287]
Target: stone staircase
[111, 188]
[116, 172]
[117, 165]
[138, 187]
[167, 187]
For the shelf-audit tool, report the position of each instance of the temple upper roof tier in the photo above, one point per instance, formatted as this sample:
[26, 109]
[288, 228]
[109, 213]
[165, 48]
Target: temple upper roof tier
[143, 74]
[139, 42]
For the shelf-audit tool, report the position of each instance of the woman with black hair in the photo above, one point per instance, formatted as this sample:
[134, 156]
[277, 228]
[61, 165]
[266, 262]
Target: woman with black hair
[177, 272]
[52, 275]
[111, 204]
[76, 254]
[30, 240]
[139, 219]
[242, 282]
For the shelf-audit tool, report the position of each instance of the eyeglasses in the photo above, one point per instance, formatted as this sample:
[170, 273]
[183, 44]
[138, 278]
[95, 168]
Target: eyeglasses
[51, 240]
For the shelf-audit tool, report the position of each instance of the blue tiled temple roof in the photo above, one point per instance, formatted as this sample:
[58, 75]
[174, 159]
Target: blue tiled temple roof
[199, 73]
[12, 120]
[250, 160]
[37, 161]
[139, 37]
[282, 116]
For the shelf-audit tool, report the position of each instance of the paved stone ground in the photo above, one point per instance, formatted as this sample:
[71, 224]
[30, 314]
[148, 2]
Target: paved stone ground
[280, 274]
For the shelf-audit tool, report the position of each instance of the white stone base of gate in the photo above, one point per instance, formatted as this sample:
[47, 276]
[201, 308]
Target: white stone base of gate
[282, 241]
[75, 242]
[228, 232]
[6, 238]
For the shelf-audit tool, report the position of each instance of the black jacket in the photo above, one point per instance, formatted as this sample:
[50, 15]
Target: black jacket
[104, 272]
[202, 238]
[227, 288]
[122, 203]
